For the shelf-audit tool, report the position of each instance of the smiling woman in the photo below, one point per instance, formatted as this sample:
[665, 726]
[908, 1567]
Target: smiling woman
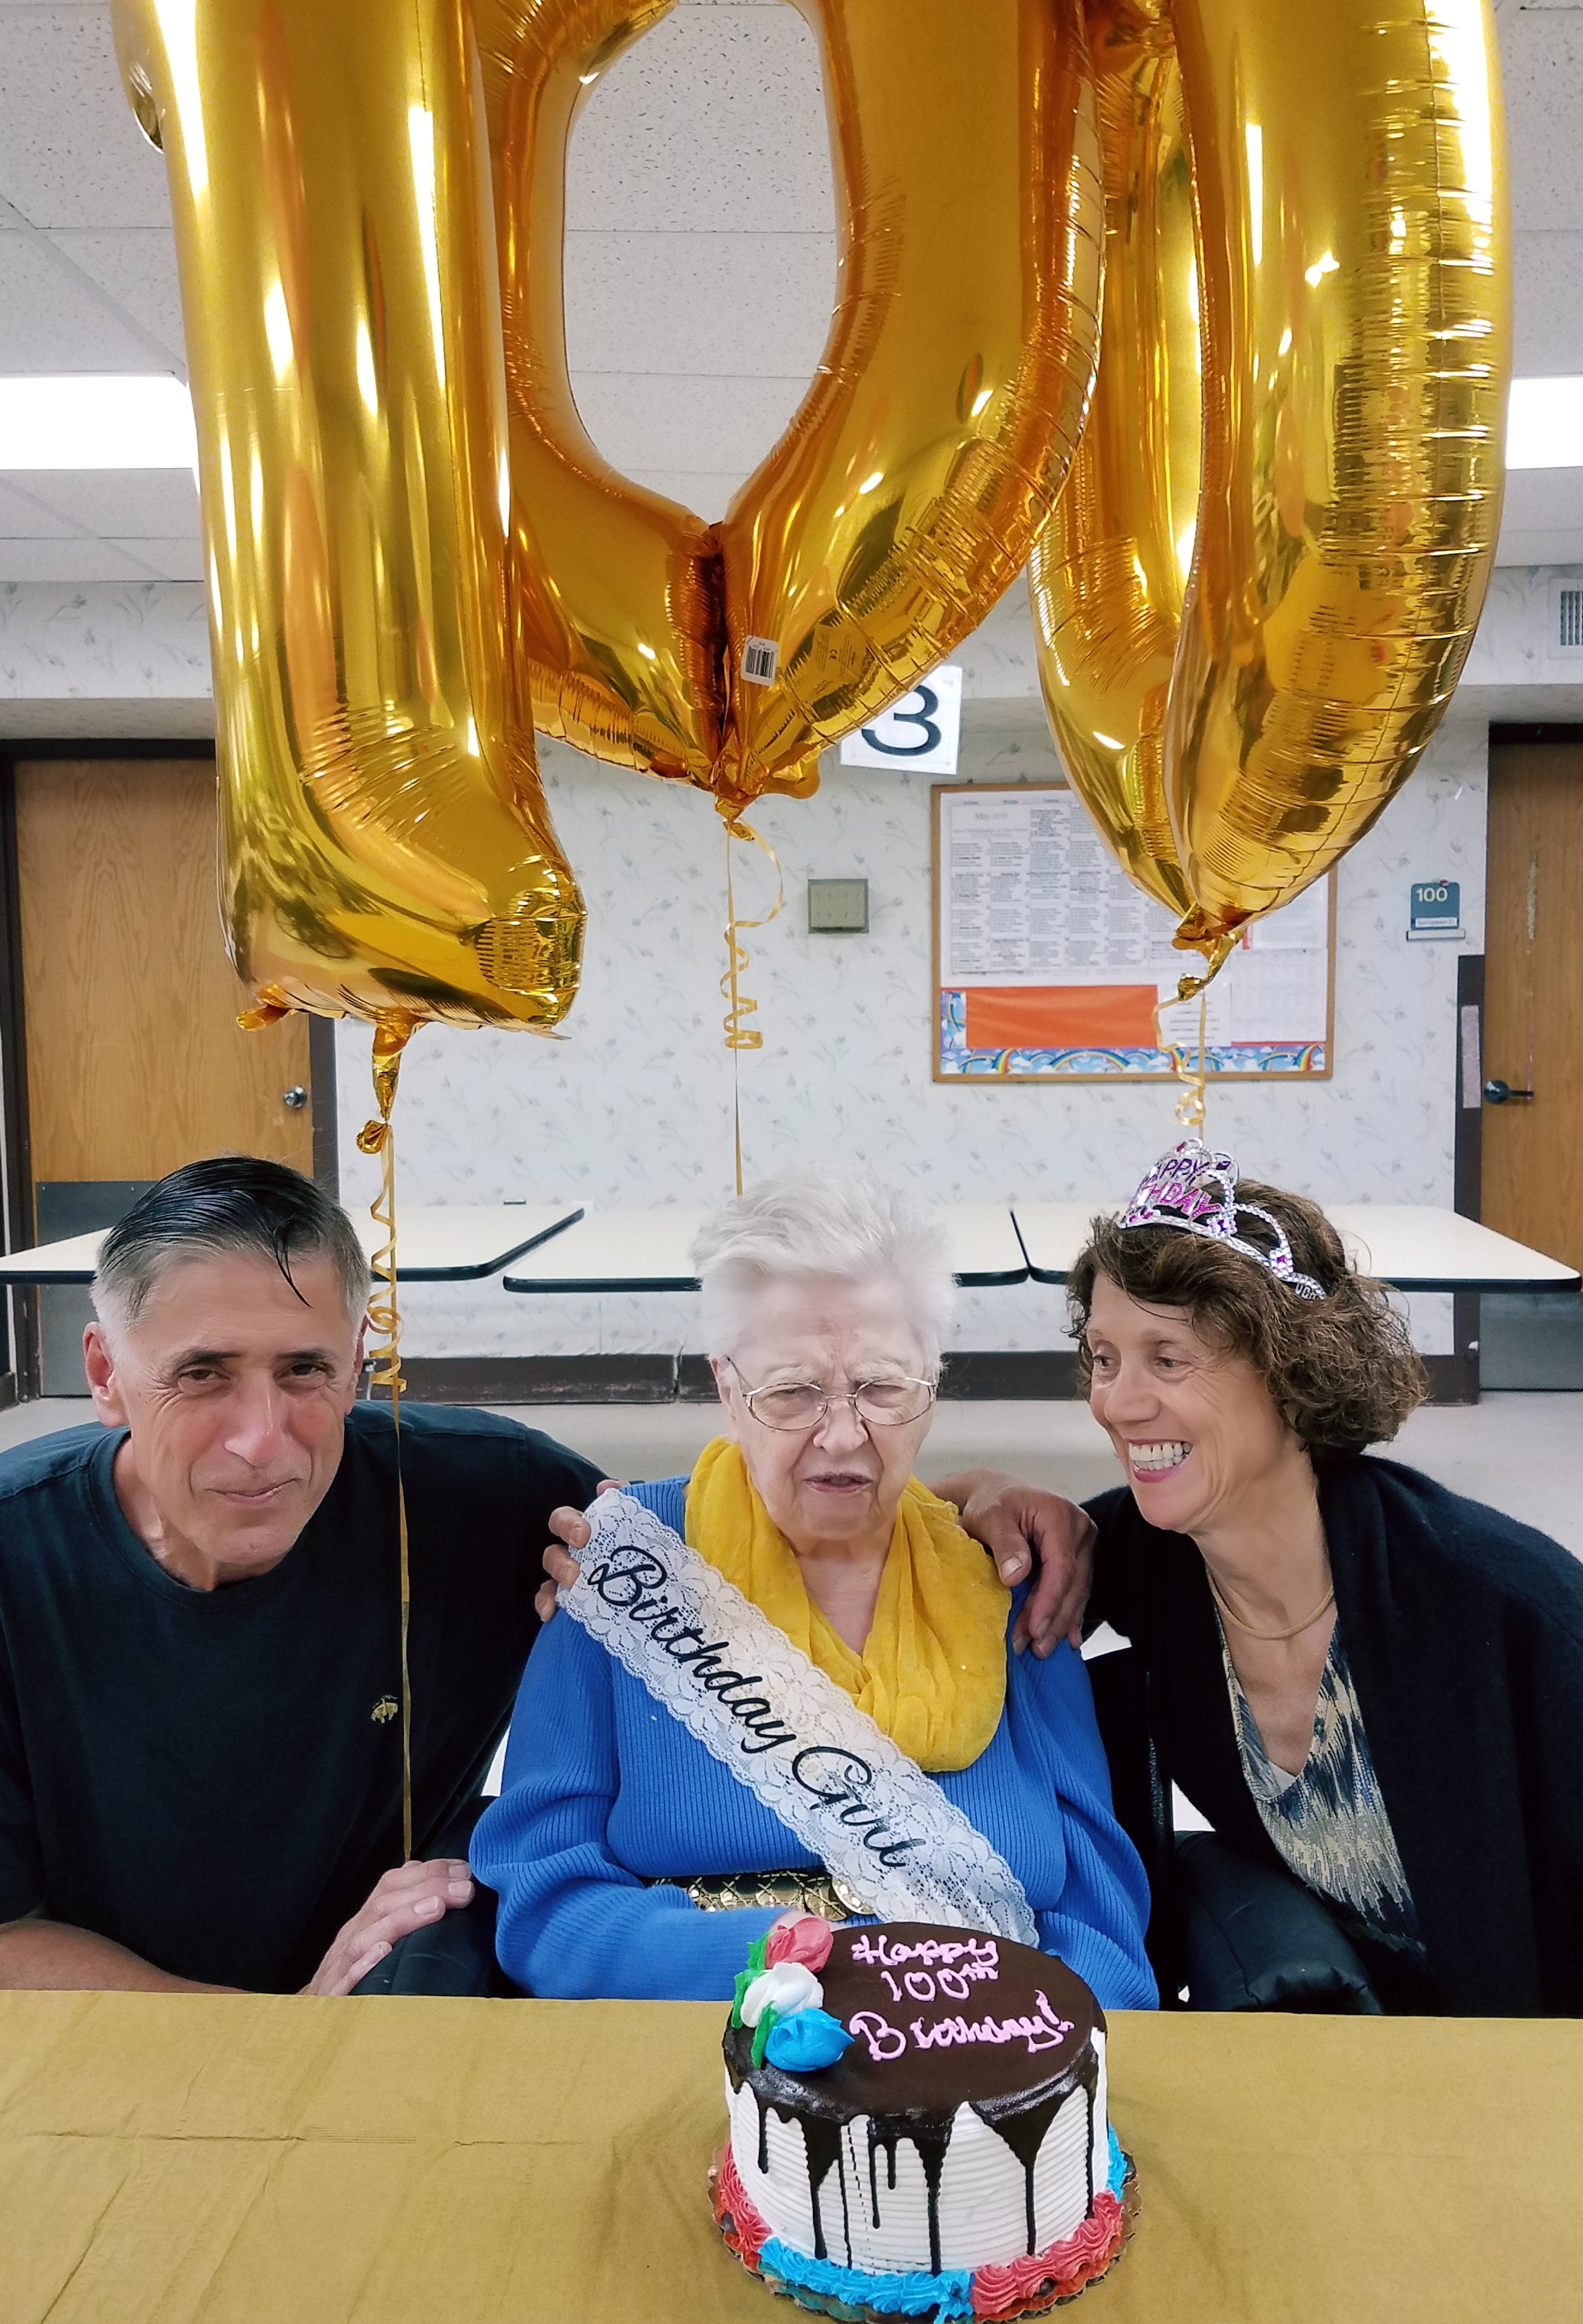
[1353, 1673]
[629, 1861]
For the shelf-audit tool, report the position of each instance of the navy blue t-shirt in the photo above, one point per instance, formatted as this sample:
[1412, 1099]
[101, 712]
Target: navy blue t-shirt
[213, 1778]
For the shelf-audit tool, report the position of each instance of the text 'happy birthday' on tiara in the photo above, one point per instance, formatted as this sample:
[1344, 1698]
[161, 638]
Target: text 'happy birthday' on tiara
[1195, 1189]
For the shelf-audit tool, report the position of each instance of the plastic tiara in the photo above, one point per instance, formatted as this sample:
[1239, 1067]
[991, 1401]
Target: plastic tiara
[1195, 1189]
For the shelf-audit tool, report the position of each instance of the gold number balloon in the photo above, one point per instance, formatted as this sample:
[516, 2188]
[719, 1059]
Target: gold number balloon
[614, 591]
[384, 843]
[1107, 578]
[904, 496]
[1353, 307]
[412, 544]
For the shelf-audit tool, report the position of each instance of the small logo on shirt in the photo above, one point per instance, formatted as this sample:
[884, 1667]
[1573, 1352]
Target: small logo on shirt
[386, 1708]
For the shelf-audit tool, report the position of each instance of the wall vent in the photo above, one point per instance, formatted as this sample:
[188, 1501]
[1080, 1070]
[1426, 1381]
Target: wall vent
[1566, 621]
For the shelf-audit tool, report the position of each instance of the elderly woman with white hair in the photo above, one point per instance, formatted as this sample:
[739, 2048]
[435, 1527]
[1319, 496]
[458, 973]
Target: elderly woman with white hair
[629, 1861]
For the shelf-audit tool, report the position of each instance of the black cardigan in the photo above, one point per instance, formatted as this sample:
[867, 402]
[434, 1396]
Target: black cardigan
[1464, 1634]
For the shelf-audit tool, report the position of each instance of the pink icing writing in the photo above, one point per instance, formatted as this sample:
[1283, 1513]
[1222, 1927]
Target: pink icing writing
[878, 1952]
[885, 2040]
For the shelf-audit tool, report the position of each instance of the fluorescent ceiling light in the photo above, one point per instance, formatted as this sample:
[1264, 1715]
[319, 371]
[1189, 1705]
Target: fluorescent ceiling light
[1546, 424]
[91, 420]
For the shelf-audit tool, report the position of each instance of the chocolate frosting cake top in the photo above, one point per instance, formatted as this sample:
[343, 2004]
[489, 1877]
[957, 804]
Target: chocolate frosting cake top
[941, 2017]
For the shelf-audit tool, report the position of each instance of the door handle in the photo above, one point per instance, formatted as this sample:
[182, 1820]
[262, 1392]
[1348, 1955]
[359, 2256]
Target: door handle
[1502, 1094]
[296, 1097]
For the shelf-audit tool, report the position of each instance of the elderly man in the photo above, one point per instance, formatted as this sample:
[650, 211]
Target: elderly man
[200, 1665]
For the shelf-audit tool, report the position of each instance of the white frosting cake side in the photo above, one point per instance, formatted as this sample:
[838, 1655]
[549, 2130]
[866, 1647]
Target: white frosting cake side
[981, 2205]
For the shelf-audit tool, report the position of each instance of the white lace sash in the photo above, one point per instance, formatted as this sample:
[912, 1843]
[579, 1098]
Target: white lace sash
[735, 1681]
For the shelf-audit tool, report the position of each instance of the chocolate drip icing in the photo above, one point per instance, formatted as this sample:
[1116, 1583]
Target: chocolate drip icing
[930, 2133]
[822, 2140]
[1023, 2132]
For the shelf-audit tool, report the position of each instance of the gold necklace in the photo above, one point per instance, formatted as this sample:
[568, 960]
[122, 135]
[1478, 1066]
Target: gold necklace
[1270, 1638]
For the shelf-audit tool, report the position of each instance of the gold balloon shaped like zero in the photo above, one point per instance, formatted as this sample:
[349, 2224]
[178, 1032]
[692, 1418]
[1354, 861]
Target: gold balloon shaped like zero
[1350, 189]
[1353, 286]
[902, 500]
[1107, 576]
[614, 591]
[385, 848]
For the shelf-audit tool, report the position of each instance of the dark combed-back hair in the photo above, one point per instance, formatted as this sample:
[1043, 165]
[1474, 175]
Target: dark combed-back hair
[229, 1202]
[1341, 1369]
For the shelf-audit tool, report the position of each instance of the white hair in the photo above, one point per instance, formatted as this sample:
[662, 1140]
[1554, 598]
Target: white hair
[823, 1222]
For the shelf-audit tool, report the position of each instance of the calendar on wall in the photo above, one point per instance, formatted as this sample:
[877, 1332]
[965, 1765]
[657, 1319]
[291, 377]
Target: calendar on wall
[1049, 963]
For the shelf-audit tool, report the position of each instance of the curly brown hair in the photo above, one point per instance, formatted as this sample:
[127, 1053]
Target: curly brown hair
[1341, 1369]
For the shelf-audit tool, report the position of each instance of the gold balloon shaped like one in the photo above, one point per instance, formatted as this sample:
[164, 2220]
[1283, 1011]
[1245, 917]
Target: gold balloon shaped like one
[901, 501]
[385, 848]
[1355, 305]
[1107, 576]
[1351, 330]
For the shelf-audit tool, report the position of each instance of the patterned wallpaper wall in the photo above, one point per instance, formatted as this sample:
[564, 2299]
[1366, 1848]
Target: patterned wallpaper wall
[633, 1107]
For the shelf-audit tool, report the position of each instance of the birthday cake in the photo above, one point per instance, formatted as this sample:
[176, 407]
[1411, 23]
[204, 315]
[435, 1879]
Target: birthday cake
[917, 2125]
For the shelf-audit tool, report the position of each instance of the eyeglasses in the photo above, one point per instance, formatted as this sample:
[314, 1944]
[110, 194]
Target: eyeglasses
[880, 1403]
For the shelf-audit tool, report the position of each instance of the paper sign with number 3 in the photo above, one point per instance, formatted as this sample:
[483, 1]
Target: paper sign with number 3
[920, 735]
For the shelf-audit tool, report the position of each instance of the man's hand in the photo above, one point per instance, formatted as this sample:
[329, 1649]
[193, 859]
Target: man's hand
[572, 1527]
[1016, 1523]
[413, 1896]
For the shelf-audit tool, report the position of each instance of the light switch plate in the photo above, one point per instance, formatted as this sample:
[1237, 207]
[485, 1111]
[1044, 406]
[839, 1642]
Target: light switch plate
[838, 907]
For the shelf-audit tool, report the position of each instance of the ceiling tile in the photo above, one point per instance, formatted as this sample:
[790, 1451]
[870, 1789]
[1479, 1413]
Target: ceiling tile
[51, 320]
[1541, 67]
[24, 518]
[71, 152]
[68, 560]
[1521, 545]
[696, 425]
[707, 494]
[733, 303]
[1544, 496]
[137, 268]
[120, 502]
[715, 117]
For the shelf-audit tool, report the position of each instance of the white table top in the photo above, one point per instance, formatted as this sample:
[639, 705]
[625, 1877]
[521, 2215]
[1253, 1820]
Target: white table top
[456, 1243]
[1413, 1246]
[647, 1250]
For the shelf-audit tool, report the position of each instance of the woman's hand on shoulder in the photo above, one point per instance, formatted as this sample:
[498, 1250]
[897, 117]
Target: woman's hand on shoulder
[1024, 1528]
[571, 1529]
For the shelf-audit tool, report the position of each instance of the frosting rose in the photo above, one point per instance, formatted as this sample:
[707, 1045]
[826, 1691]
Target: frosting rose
[807, 1939]
[786, 1989]
[804, 2043]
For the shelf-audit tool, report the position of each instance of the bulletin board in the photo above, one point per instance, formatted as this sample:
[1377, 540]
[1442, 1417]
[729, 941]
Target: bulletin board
[1048, 961]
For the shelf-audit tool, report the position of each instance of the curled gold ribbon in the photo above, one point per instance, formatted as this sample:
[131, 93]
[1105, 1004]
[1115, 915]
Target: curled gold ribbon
[739, 1035]
[1192, 1103]
[391, 1035]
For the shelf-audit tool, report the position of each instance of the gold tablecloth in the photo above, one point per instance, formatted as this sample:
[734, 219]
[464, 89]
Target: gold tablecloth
[172, 2160]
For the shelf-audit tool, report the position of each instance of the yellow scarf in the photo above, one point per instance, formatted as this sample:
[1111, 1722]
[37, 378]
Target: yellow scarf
[933, 1670]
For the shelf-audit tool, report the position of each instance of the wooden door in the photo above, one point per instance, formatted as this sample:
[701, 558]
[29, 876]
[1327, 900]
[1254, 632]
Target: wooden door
[136, 1063]
[1534, 997]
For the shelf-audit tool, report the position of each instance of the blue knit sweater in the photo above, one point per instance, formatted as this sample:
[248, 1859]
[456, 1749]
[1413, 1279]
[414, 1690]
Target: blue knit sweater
[603, 1790]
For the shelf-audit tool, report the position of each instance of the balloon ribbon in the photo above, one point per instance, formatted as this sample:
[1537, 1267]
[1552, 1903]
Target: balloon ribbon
[1192, 1103]
[391, 1034]
[739, 1035]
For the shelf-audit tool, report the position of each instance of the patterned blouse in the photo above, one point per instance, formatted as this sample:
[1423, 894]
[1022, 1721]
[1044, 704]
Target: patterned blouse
[1328, 1822]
